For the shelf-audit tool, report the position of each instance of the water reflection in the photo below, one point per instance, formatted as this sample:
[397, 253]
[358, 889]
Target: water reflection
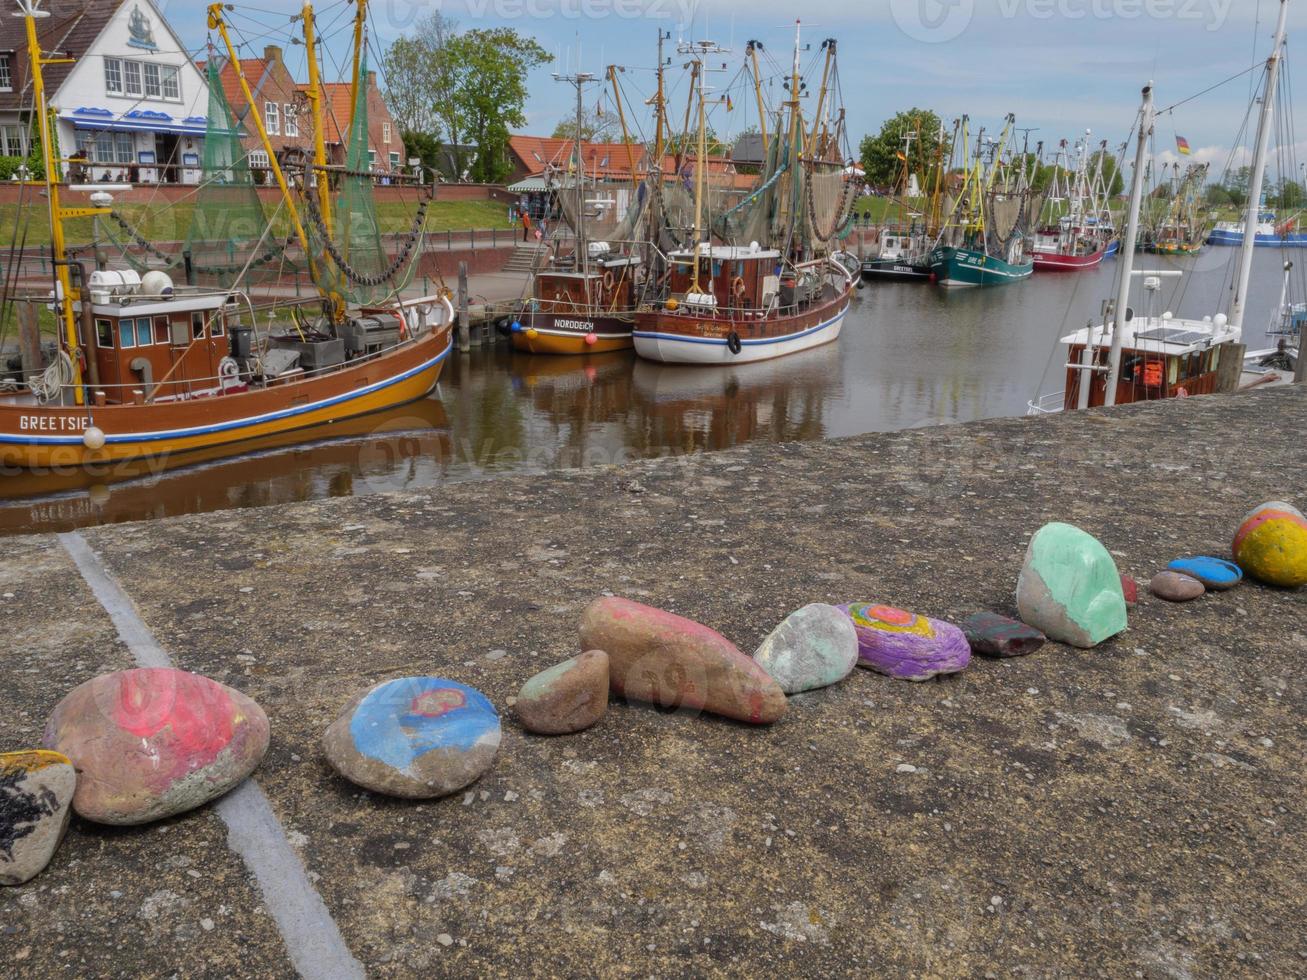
[910, 355]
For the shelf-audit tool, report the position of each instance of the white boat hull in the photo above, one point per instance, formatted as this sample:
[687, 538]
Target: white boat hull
[675, 349]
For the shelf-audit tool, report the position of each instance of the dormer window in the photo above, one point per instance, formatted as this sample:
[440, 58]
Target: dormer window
[6, 77]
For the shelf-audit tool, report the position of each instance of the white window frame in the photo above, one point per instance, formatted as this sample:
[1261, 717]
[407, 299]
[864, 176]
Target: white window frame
[124, 145]
[385, 131]
[153, 79]
[272, 118]
[12, 141]
[372, 159]
[131, 68]
[259, 160]
[113, 76]
[6, 74]
[394, 160]
[170, 77]
[290, 122]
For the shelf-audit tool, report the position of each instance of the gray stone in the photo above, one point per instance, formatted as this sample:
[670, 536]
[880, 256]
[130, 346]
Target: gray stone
[36, 800]
[814, 647]
[1175, 586]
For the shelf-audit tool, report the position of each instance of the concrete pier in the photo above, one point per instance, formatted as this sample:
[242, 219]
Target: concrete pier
[1134, 810]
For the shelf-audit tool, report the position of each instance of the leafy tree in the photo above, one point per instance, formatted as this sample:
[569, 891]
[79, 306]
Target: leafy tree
[1217, 196]
[1112, 177]
[417, 74]
[1289, 196]
[690, 141]
[597, 126]
[485, 94]
[880, 153]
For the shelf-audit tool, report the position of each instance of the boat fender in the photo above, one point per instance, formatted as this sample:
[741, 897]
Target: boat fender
[515, 327]
[93, 438]
[532, 333]
[591, 339]
[733, 342]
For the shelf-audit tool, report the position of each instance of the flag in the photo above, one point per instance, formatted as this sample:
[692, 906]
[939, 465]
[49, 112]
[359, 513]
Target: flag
[1182, 145]
[902, 156]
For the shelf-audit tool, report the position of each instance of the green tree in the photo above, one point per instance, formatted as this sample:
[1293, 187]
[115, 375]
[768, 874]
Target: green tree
[417, 73]
[1289, 196]
[1112, 178]
[880, 154]
[486, 96]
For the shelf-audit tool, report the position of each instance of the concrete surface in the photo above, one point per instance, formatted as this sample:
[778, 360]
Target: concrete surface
[1135, 810]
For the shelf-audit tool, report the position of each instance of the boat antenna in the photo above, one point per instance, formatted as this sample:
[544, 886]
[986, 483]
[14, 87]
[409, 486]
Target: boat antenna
[579, 80]
[1259, 173]
[1127, 258]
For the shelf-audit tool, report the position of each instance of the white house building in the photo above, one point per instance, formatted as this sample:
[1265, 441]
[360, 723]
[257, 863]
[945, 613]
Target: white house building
[132, 105]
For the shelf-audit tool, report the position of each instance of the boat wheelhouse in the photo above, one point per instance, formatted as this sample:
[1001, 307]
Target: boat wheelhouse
[578, 311]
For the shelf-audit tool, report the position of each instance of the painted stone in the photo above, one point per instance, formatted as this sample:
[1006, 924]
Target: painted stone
[1069, 587]
[992, 635]
[672, 661]
[36, 800]
[154, 742]
[1271, 545]
[1175, 586]
[567, 697]
[906, 645]
[814, 647]
[415, 737]
[1129, 589]
[1214, 573]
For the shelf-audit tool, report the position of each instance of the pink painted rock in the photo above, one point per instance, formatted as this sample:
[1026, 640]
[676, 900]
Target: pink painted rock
[154, 742]
[658, 656]
[567, 697]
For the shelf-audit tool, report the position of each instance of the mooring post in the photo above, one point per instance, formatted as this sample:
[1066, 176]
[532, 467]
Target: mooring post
[29, 340]
[464, 340]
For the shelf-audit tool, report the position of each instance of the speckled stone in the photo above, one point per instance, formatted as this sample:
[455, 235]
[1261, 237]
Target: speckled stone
[1216, 574]
[815, 646]
[672, 661]
[566, 698]
[1271, 545]
[905, 645]
[414, 737]
[1069, 587]
[154, 742]
[1175, 587]
[36, 800]
[992, 635]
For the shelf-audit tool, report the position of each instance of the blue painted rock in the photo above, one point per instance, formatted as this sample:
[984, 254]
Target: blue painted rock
[992, 635]
[905, 645]
[1271, 545]
[814, 647]
[36, 800]
[657, 656]
[567, 697]
[1175, 586]
[1214, 573]
[1070, 588]
[415, 737]
[155, 742]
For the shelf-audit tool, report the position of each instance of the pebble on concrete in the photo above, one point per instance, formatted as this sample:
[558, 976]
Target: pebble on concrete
[906, 645]
[1069, 587]
[36, 800]
[566, 698]
[992, 635]
[1271, 544]
[815, 646]
[1175, 587]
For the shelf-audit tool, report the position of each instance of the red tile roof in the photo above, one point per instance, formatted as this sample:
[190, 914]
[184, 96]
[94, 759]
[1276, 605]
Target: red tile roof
[73, 25]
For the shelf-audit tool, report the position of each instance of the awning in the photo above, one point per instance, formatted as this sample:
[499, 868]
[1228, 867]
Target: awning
[135, 121]
[529, 185]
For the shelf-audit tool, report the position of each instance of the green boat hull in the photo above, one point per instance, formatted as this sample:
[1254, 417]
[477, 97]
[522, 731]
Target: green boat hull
[972, 267]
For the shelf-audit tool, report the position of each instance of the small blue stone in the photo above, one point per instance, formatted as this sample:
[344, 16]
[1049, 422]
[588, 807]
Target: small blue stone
[1214, 573]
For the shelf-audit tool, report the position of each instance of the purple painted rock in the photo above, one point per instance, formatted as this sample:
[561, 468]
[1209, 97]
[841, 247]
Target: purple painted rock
[1130, 589]
[905, 645]
[1175, 586]
[155, 742]
[992, 635]
[36, 799]
[567, 697]
[671, 661]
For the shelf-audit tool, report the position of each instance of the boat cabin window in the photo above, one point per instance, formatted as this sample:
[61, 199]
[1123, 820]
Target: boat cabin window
[161, 330]
[197, 326]
[126, 333]
[104, 332]
[216, 327]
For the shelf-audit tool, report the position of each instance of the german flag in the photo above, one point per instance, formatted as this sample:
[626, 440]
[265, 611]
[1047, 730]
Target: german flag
[1182, 145]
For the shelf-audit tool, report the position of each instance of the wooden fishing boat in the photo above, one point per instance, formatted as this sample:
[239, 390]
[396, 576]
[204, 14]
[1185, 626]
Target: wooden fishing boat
[1078, 240]
[580, 312]
[148, 369]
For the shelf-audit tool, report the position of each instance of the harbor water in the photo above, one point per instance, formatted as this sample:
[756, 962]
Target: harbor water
[910, 354]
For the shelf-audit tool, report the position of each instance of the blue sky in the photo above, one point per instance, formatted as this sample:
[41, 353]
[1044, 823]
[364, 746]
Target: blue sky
[1062, 66]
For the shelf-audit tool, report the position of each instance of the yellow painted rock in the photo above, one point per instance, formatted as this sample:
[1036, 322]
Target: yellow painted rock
[1271, 545]
[36, 799]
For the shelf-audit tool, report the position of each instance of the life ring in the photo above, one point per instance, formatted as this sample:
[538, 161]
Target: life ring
[738, 288]
[733, 342]
[609, 280]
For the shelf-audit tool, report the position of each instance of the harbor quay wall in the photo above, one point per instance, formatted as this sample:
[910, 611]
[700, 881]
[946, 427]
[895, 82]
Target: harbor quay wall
[1135, 809]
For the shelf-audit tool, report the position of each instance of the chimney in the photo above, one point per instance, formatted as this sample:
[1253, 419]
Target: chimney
[272, 53]
[372, 79]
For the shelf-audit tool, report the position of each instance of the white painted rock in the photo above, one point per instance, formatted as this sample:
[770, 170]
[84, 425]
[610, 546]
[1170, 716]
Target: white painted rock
[814, 647]
[36, 800]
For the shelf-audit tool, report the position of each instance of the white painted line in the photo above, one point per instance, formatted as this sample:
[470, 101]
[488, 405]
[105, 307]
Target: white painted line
[312, 939]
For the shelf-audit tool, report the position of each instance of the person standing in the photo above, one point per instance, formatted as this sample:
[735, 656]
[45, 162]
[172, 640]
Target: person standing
[526, 226]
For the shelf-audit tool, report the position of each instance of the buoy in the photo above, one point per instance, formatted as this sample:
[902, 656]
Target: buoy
[515, 327]
[532, 333]
[93, 438]
[672, 304]
[591, 340]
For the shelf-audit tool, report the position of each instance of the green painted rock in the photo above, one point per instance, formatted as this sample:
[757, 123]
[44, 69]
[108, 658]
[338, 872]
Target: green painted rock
[1069, 587]
[567, 697]
[814, 647]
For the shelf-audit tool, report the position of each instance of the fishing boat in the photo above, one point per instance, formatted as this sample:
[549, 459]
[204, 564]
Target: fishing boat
[902, 247]
[1131, 357]
[1271, 232]
[149, 368]
[1180, 229]
[985, 241]
[1078, 240]
[737, 299]
[585, 300]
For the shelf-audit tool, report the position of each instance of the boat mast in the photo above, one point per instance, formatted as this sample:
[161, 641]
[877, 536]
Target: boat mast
[579, 80]
[621, 118]
[752, 50]
[659, 102]
[1127, 259]
[360, 25]
[829, 44]
[1259, 173]
[314, 93]
[30, 11]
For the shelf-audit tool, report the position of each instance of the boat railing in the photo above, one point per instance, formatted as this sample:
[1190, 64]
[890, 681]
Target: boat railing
[1047, 404]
